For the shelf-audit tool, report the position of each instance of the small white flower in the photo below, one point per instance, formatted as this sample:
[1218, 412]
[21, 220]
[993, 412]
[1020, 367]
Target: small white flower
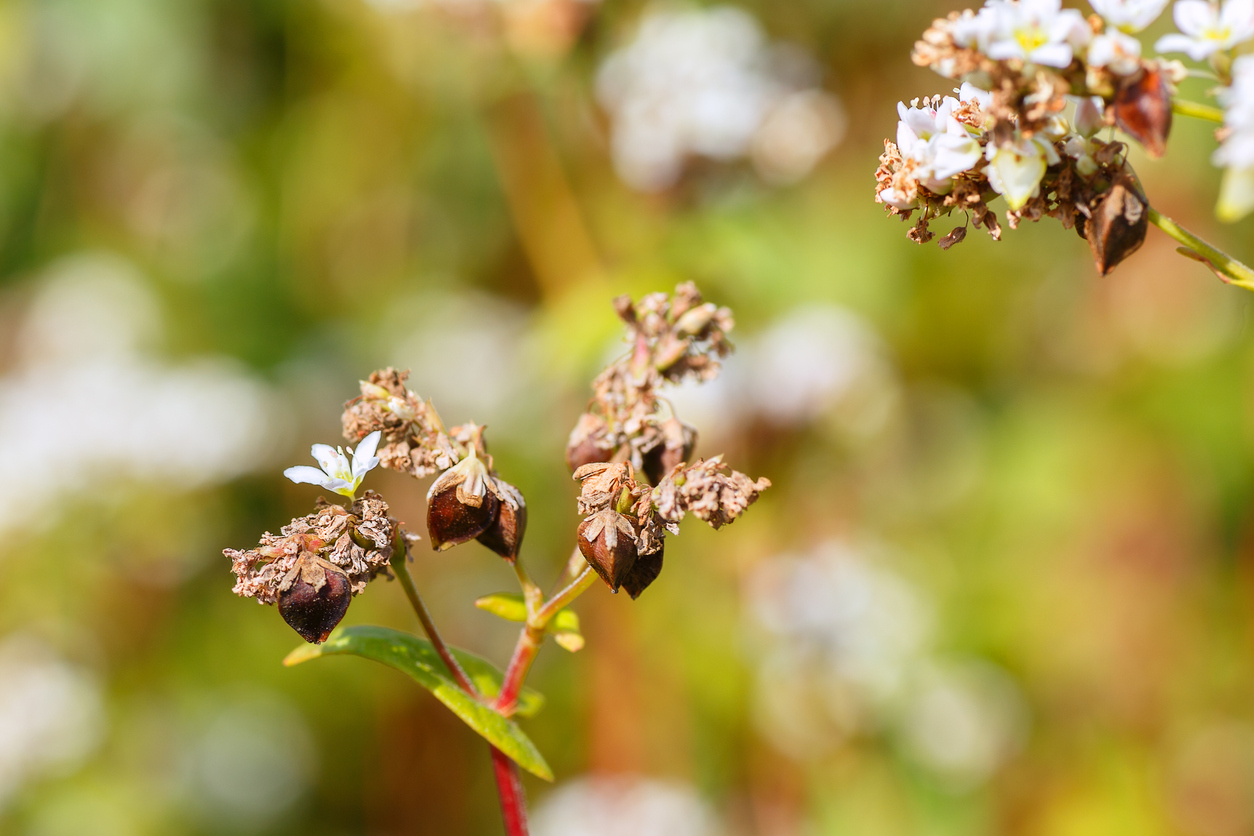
[1035, 31]
[1207, 29]
[338, 473]
[941, 146]
[1015, 170]
[1090, 115]
[1129, 15]
[1119, 53]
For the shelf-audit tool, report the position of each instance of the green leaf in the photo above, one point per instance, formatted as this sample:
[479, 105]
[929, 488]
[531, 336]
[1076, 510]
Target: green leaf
[418, 658]
[565, 630]
[507, 605]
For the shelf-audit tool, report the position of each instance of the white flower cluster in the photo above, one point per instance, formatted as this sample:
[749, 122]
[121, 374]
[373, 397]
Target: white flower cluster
[936, 146]
[707, 83]
[1206, 28]
[1236, 197]
[1034, 31]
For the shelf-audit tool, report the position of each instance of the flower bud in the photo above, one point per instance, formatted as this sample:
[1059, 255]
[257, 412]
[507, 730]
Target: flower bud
[460, 505]
[695, 322]
[1143, 111]
[674, 448]
[608, 542]
[504, 536]
[643, 572]
[589, 442]
[1118, 226]
[316, 600]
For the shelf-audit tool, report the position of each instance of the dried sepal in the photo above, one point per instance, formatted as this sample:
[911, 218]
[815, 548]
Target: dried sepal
[590, 441]
[607, 541]
[669, 444]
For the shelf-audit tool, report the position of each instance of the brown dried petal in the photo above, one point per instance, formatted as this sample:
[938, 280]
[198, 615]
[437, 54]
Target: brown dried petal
[673, 446]
[589, 442]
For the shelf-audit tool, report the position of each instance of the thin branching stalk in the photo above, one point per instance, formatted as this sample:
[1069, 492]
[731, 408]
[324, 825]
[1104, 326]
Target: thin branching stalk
[428, 626]
[1229, 269]
[1197, 110]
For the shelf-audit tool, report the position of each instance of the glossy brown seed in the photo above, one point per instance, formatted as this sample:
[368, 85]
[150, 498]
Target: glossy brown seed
[1118, 227]
[314, 612]
[451, 522]
[588, 443]
[1143, 111]
[505, 535]
[678, 440]
[643, 572]
[606, 542]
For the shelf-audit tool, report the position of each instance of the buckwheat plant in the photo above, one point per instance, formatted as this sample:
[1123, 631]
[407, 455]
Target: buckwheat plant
[1038, 87]
[637, 480]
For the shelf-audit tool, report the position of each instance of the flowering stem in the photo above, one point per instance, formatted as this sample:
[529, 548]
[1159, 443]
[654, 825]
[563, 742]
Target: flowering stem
[1225, 266]
[428, 626]
[509, 787]
[1197, 110]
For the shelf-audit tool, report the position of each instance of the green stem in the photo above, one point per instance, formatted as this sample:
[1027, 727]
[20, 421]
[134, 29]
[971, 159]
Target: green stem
[562, 599]
[1197, 110]
[399, 557]
[1225, 266]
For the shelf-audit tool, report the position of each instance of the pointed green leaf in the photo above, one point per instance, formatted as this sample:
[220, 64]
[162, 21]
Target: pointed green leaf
[418, 658]
[507, 605]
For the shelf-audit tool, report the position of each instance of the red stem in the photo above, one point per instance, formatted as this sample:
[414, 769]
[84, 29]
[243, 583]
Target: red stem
[525, 652]
[509, 787]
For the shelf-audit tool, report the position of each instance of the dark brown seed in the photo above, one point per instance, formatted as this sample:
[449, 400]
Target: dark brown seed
[643, 572]
[612, 564]
[588, 443]
[1143, 111]
[505, 535]
[451, 522]
[314, 612]
[676, 448]
[1117, 228]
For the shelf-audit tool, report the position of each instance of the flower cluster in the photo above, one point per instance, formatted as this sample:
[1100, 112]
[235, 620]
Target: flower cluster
[1207, 29]
[623, 535]
[1236, 154]
[318, 563]
[414, 440]
[1037, 83]
[672, 338]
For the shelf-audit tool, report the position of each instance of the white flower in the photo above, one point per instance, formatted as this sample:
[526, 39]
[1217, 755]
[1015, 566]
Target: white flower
[1015, 170]
[1035, 31]
[1236, 195]
[941, 146]
[338, 473]
[1129, 15]
[1207, 29]
[1119, 53]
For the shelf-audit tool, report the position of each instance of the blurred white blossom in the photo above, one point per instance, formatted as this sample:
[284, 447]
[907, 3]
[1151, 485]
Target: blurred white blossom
[1034, 31]
[51, 715]
[1236, 197]
[246, 760]
[707, 83]
[623, 806]
[1207, 28]
[1129, 15]
[963, 719]
[87, 409]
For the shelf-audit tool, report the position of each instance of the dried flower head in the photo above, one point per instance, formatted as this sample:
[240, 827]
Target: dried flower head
[333, 542]
[673, 338]
[414, 439]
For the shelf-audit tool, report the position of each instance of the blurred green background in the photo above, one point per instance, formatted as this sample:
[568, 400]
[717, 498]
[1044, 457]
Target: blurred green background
[1003, 581]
